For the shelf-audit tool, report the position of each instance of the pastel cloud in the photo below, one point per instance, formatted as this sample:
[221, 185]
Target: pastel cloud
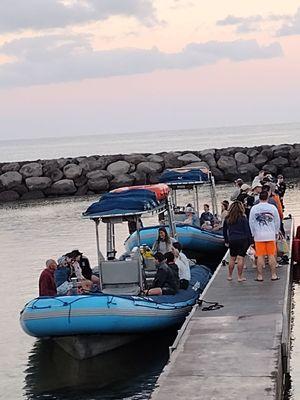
[251, 23]
[291, 27]
[16, 15]
[61, 58]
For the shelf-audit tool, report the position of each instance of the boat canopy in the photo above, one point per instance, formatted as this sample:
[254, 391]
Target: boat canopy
[124, 203]
[161, 190]
[186, 176]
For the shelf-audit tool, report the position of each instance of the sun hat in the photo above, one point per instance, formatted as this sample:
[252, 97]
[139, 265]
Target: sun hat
[245, 187]
[255, 185]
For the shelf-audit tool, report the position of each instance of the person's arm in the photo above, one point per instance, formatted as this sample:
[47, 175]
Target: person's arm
[276, 220]
[160, 278]
[252, 222]
[246, 228]
[225, 231]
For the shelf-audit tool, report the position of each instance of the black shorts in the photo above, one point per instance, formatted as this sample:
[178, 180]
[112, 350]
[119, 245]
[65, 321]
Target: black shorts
[167, 290]
[238, 247]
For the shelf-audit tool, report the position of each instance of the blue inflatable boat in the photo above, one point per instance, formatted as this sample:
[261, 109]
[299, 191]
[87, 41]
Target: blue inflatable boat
[109, 313]
[191, 238]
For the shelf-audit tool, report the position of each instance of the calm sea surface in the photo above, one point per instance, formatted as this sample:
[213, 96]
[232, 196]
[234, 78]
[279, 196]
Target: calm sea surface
[148, 142]
[34, 231]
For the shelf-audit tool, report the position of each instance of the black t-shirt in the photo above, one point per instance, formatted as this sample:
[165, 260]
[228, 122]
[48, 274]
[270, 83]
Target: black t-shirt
[166, 278]
[85, 267]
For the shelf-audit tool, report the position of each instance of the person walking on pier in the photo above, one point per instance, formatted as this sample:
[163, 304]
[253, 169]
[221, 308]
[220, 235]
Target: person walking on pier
[264, 223]
[237, 237]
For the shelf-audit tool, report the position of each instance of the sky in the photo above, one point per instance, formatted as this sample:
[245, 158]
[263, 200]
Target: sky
[82, 67]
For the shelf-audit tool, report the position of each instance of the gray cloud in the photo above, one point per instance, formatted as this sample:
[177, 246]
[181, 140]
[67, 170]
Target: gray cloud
[60, 58]
[18, 15]
[253, 23]
[290, 27]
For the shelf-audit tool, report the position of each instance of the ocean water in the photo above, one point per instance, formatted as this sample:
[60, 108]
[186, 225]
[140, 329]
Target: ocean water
[148, 142]
[32, 232]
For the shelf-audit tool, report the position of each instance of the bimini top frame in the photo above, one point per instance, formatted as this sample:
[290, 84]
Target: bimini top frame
[191, 178]
[126, 205]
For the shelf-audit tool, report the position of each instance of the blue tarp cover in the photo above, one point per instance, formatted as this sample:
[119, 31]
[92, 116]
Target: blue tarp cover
[193, 175]
[123, 202]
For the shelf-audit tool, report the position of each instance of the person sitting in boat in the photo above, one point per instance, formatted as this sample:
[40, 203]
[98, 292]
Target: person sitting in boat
[132, 225]
[191, 217]
[47, 285]
[183, 265]
[77, 272]
[206, 218]
[85, 267]
[62, 277]
[224, 212]
[165, 281]
[164, 242]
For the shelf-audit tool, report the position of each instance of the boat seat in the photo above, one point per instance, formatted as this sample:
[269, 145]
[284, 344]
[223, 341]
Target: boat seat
[121, 277]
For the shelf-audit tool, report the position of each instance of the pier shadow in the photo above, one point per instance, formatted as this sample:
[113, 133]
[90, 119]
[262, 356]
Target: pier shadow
[129, 372]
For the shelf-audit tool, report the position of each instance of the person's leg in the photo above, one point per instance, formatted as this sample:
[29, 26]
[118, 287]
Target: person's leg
[231, 267]
[154, 292]
[260, 252]
[271, 247]
[240, 267]
[260, 265]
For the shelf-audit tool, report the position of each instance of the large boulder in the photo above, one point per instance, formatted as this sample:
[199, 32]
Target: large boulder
[280, 162]
[204, 153]
[56, 175]
[33, 195]
[217, 174]
[281, 150]
[149, 167]
[8, 195]
[155, 158]
[189, 158]
[10, 179]
[122, 180]
[290, 172]
[82, 190]
[268, 153]
[62, 162]
[171, 160]
[31, 169]
[135, 158]
[293, 154]
[63, 187]
[80, 181]
[72, 171]
[260, 160]
[118, 168]
[270, 168]
[99, 174]
[38, 183]
[241, 158]
[140, 178]
[252, 153]
[50, 166]
[21, 189]
[13, 166]
[210, 159]
[227, 164]
[247, 171]
[91, 164]
[98, 185]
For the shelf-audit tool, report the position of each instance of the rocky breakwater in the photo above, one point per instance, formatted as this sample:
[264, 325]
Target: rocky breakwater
[97, 174]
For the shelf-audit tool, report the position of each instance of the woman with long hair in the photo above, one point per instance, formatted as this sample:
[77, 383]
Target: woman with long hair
[163, 243]
[237, 236]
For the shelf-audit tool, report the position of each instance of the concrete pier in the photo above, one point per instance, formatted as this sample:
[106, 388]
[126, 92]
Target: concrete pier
[239, 351]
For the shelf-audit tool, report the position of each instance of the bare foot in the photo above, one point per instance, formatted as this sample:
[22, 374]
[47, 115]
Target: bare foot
[229, 278]
[243, 279]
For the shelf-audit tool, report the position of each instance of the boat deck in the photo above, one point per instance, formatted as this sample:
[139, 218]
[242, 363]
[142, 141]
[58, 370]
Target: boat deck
[237, 351]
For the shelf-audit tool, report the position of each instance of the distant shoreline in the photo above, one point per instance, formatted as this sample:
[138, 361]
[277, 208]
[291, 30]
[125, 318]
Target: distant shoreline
[79, 176]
